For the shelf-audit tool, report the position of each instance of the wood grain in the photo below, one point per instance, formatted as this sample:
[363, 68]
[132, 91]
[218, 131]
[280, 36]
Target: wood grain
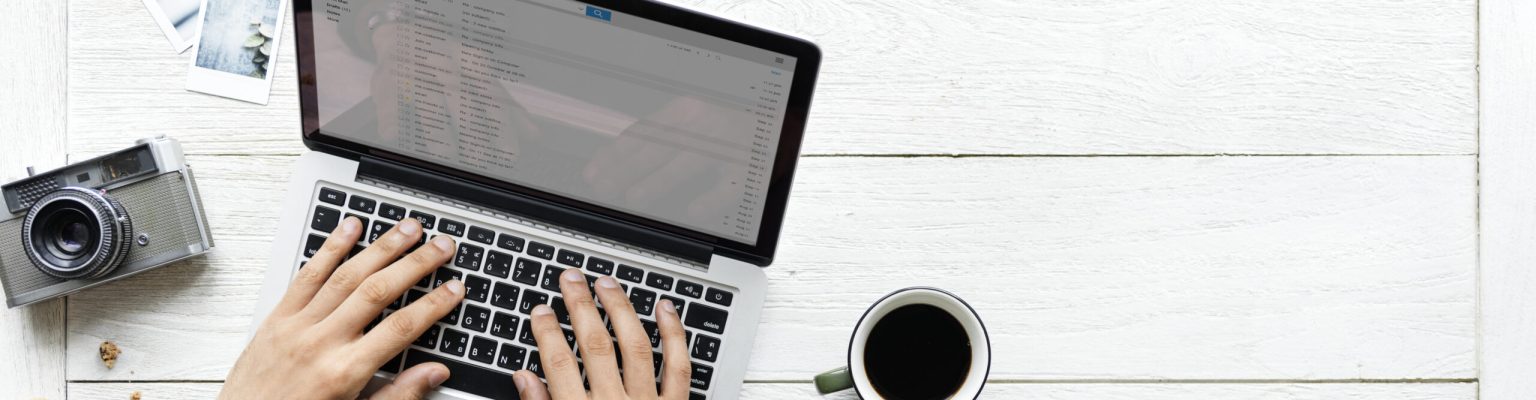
[1508, 182]
[1107, 268]
[985, 77]
[32, 120]
[1063, 391]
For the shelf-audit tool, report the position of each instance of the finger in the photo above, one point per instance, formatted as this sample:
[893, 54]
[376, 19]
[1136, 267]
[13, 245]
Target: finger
[529, 387]
[676, 369]
[352, 273]
[315, 272]
[559, 364]
[596, 346]
[413, 383]
[634, 343]
[403, 327]
[386, 286]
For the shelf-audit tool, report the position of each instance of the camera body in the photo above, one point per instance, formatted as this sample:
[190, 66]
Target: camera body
[99, 220]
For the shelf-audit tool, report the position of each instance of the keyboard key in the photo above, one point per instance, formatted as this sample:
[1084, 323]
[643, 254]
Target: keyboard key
[570, 258]
[659, 281]
[325, 219]
[532, 298]
[551, 281]
[443, 275]
[653, 331]
[676, 303]
[701, 375]
[541, 250]
[509, 242]
[570, 337]
[643, 300]
[527, 271]
[631, 274]
[469, 256]
[454, 342]
[453, 315]
[312, 245]
[413, 295]
[393, 365]
[477, 288]
[362, 219]
[498, 264]
[353, 253]
[379, 228]
[482, 349]
[561, 314]
[481, 235]
[333, 196]
[505, 296]
[600, 266]
[511, 356]
[705, 317]
[428, 339]
[690, 289]
[695, 396]
[706, 348]
[718, 296]
[427, 220]
[451, 227]
[362, 204]
[504, 326]
[475, 318]
[425, 282]
[468, 377]
[535, 365]
[391, 212]
[656, 365]
[525, 334]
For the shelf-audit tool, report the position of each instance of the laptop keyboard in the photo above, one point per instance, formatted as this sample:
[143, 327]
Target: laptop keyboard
[505, 275]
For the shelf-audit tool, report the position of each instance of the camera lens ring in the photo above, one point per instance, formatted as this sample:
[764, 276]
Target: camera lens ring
[108, 227]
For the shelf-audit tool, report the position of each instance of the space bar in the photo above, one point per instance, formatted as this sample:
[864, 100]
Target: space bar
[468, 378]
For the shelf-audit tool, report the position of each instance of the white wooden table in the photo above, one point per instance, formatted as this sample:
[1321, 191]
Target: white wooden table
[1156, 199]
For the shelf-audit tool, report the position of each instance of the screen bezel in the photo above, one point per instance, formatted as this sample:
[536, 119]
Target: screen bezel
[796, 111]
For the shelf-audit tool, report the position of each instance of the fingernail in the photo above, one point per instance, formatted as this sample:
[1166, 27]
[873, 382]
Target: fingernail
[572, 275]
[410, 226]
[455, 286]
[607, 282]
[443, 243]
[437, 377]
[350, 225]
[666, 306]
[521, 379]
[542, 310]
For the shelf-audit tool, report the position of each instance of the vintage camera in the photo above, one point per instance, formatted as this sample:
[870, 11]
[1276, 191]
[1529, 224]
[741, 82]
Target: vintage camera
[99, 220]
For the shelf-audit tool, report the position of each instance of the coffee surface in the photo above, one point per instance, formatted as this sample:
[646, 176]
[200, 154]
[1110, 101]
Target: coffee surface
[917, 352]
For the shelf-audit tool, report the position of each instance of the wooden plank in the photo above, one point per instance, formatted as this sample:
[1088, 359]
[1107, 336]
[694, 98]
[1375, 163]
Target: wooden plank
[1109, 268]
[1508, 181]
[32, 73]
[1014, 77]
[1050, 391]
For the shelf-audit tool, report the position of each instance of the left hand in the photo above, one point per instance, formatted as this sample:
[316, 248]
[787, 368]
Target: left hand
[313, 346]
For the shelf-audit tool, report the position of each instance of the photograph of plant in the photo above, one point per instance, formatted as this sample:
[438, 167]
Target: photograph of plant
[237, 36]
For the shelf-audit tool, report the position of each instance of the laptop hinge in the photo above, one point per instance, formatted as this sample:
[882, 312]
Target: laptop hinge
[524, 206]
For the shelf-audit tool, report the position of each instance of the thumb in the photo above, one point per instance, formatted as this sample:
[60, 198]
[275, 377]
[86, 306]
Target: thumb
[529, 387]
[414, 383]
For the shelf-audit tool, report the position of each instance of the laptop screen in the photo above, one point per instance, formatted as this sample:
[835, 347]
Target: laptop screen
[563, 97]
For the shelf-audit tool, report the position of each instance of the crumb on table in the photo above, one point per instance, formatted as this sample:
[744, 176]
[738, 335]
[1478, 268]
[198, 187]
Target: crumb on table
[109, 352]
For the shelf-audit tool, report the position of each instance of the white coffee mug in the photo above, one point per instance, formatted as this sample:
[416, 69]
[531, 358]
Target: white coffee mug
[854, 374]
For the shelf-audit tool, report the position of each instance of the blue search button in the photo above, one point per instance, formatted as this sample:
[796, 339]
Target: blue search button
[599, 13]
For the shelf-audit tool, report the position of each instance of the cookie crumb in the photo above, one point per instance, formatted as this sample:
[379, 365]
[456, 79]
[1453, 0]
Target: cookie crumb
[109, 354]
[134, 396]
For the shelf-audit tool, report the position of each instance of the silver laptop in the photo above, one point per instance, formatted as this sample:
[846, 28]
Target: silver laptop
[624, 138]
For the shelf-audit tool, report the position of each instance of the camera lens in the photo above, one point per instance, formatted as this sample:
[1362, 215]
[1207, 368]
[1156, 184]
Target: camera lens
[76, 233]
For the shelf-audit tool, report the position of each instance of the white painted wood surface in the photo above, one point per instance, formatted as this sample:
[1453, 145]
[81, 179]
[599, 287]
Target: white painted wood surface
[32, 134]
[1070, 391]
[1345, 268]
[1508, 217]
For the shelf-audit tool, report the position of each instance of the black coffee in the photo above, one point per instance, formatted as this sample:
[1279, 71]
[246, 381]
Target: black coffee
[917, 352]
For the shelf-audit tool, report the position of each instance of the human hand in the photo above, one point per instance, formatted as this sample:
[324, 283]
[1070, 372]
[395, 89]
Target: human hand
[597, 348]
[313, 344]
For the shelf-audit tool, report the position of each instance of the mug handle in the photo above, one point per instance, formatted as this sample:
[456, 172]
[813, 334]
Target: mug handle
[834, 380]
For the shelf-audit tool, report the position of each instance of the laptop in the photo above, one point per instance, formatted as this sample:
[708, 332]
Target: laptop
[625, 138]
